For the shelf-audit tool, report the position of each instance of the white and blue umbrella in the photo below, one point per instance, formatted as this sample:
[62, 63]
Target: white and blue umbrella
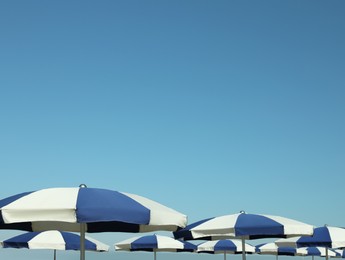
[53, 239]
[273, 249]
[340, 253]
[86, 210]
[154, 243]
[317, 251]
[328, 237]
[224, 246]
[244, 226]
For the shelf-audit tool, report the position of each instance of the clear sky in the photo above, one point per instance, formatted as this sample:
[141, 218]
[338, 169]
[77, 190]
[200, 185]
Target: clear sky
[208, 107]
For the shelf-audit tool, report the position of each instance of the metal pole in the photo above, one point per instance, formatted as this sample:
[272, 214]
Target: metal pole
[54, 254]
[82, 232]
[82, 241]
[243, 249]
[155, 255]
[326, 253]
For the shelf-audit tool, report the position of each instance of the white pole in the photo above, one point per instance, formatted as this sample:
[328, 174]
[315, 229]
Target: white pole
[82, 241]
[243, 249]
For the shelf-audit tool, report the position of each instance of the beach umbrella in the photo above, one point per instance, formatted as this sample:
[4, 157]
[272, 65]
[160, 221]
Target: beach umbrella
[273, 249]
[154, 243]
[244, 226]
[86, 209]
[224, 246]
[327, 236]
[317, 251]
[340, 253]
[53, 239]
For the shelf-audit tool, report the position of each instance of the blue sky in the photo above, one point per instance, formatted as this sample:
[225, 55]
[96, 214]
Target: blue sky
[208, 107]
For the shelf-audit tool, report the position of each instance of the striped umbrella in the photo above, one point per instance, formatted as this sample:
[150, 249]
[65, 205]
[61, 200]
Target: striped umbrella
[154, 243]
[224, 246]
[86, 210]
[273, 249]
[317, 251]
[53, 239]
[244, 226]
[327, 237]
[340, 253]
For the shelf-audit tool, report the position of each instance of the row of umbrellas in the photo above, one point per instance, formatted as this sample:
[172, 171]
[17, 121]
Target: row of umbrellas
[90, 210]
[58, 240]
[157, 243]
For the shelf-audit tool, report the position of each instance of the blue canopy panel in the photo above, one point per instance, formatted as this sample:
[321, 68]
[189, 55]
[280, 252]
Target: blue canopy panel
[313, 251]
[189, 247]
[321, 237]
[149, 242]
[256, 226]
[94, 205]
[223, 245]
[14, 242]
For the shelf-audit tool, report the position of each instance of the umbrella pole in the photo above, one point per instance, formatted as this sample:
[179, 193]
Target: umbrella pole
[326, 253]
[224, 255]
[82, 241]
[243, 249]
[54, 254]
[154, 255]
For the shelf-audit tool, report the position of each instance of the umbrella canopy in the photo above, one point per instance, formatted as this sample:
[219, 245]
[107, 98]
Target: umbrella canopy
[244, 226]
[101, 210]
[224, 246]
[231, 246]
[340, 253]
[53, 239]
[247, 226]
[86, 210]
[317, 251]
[155, 243]
[330, 237]
[273, 249]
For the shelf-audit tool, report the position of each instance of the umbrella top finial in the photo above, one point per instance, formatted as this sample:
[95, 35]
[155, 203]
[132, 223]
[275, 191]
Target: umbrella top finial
[82, 185]
[242, 212]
